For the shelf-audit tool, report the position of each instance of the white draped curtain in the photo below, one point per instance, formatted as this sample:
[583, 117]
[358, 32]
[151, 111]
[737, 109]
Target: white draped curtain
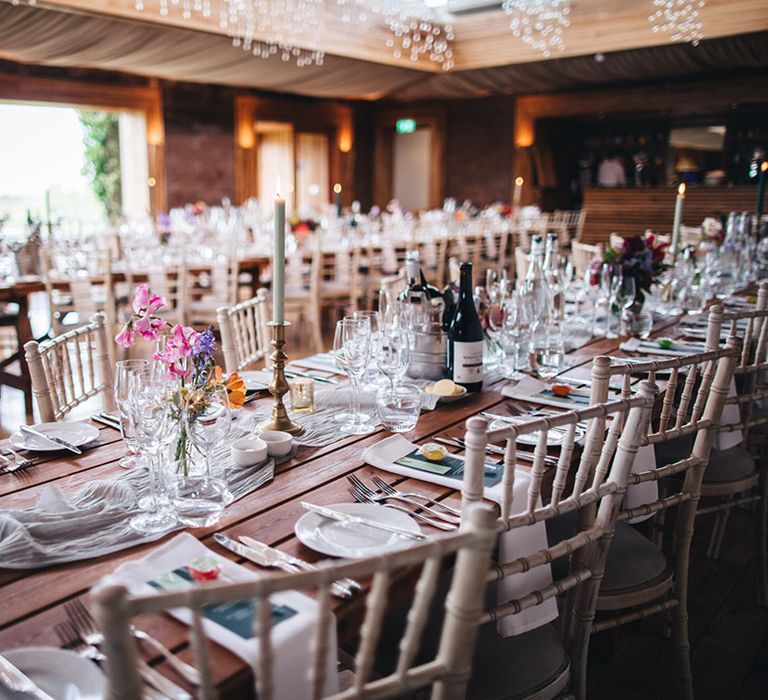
[275, 162]
[312, 186]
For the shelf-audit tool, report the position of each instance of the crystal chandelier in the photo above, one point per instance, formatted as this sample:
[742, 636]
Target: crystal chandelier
[539, 23]
[680, 17]
[247, 21]
[416, 28]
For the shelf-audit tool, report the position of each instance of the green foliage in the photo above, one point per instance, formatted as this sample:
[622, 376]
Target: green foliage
[102, 158]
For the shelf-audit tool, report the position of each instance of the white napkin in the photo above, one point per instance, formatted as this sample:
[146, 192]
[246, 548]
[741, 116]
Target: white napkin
[529, 389]
[650, 347]
[322, 361]
[513, 544]
[291, 638]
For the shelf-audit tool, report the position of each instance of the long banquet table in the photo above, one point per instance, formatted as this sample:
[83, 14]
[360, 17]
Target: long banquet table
[31, 602]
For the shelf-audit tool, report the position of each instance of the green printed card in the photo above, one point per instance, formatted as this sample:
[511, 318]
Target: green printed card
[449, 466]
[236, 616]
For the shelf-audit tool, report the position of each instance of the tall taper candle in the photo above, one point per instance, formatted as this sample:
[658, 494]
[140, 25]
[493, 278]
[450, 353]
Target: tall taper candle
[278, 263]
[337, 198]
[518, 192]
[678, 219]
[761, 192]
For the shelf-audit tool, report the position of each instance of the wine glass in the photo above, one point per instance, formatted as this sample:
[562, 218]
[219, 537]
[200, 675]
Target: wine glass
[515, 329]
[126, 369]
[352, 350]
[155, 430]
[394, 355]
[388, 316]
[370, 373]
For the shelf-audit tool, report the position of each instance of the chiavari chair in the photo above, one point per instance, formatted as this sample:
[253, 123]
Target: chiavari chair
[640, 578]
[304, 272]
[447, 673]
[547, 659]
[583, 254]
[210, 288]
[70, 369]
[245, 336]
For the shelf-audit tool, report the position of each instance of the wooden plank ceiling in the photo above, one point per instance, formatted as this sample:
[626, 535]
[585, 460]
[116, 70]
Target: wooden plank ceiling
[482, 39]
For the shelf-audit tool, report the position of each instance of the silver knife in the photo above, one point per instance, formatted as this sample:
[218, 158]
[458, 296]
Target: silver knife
[101, 418]
[271, 560]
[55, 440]
[17, 682]
[357, 520]
[266, 550]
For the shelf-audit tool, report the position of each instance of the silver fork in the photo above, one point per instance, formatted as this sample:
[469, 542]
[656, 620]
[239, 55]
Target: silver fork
[361, 497]
[413, 495]
[384, 497]
[84, 620]
[70, 638]
[85, 628]
[18, 462]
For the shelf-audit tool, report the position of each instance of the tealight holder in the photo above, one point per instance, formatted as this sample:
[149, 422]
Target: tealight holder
[279, 386]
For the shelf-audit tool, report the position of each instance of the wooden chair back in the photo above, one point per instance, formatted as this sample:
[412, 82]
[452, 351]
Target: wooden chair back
[447, 673]
[583, 254]
[245, 336]
[70, 369]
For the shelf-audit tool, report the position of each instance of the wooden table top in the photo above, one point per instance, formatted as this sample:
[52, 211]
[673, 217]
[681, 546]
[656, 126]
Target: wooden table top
[31, 602]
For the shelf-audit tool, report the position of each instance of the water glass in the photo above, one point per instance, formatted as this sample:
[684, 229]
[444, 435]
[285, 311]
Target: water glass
[398, 408]
[155, 430]
[125, 371]
[394, 354]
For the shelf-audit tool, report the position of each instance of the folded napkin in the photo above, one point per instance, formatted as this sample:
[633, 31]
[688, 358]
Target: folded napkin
[521, 541]
[94, 521]
[294, 615]
[323, 361]
[536, 391]
[678, 349]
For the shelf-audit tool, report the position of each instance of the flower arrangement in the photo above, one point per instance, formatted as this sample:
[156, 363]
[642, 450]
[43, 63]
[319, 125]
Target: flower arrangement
[301, 226]
[641, 257]
[712, 231]
[188, 357]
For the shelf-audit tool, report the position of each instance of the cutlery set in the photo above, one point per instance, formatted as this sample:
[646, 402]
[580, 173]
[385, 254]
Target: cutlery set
[80, 634]
[111, 420]
[269, 557]
[12, 462]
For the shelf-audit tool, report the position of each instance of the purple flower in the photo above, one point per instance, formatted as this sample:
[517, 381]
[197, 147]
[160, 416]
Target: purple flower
[204, 345]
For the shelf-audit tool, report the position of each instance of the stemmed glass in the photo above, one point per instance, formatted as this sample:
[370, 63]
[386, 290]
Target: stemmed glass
[515, 329]
[155, 430]
[352, 350]
[373, 321]
[394, 355]
[126, 370]
[612, 280]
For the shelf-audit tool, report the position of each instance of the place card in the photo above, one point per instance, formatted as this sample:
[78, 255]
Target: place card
[449, 466]
[235, 616]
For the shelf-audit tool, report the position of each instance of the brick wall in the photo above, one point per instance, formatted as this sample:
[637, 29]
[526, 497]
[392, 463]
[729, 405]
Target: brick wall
[199, 142]
[479, 149]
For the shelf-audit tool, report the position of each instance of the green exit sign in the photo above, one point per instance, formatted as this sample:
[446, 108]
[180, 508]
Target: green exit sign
[405, 126]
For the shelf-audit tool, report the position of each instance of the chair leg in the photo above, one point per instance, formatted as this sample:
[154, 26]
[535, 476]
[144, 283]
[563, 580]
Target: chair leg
[761, 536]
[718, 532]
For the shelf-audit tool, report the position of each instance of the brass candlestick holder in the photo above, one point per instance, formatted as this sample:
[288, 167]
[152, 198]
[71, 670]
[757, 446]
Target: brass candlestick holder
[279, 385]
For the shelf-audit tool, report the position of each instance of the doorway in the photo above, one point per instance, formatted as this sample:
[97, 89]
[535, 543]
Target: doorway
[411, 171]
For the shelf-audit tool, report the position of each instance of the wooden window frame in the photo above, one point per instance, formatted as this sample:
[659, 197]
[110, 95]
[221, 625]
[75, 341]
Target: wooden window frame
[109, 98]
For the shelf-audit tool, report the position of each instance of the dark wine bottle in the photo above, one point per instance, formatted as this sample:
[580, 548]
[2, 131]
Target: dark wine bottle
[415, 288]
[465, 337]
[449, 307]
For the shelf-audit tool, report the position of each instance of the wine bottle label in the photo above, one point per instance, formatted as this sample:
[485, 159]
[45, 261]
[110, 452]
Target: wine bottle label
[468, 362]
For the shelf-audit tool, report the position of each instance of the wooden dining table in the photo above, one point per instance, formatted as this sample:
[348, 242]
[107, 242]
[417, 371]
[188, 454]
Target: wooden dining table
[32, 601]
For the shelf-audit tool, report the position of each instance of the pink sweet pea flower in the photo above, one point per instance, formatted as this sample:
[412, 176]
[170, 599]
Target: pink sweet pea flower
[178, 351]
[148, 328]
[145, 303]
[125, 337]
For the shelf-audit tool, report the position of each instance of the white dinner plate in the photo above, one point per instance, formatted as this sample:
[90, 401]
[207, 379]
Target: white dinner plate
[63, 674]
[353, 541]
[77, 434]
[555, 437]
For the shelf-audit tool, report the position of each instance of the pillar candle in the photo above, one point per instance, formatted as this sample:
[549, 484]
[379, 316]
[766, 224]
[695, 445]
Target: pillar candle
[678, 219]
[761, 192]
[518, 192]
[278, 263]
